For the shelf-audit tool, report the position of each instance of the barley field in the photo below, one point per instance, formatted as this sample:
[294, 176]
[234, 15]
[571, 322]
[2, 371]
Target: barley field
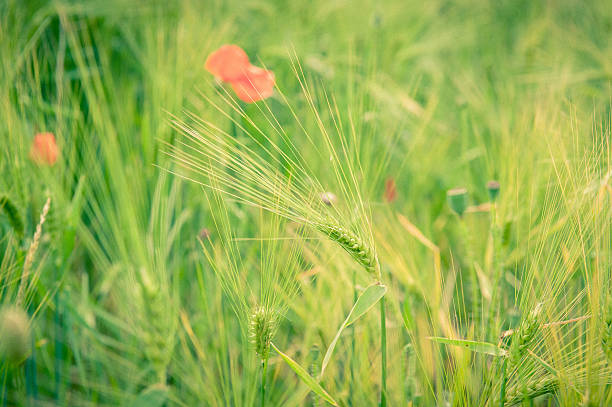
[305, 203]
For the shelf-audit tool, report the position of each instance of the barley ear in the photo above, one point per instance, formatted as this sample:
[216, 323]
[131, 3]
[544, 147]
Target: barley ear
[262, 327]
[354, 245]
[531, 390]
[158, 341]
[525, 334]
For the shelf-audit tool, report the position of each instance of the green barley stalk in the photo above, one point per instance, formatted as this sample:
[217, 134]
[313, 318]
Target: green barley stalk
[262, 327]
[522, 338]
[530, 391]
[278, 281]
[250, 172]
[158, 341]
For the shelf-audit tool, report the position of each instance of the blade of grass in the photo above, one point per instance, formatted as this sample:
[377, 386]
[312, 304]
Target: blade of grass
[367, 300]
[305, 377]
[474, 346]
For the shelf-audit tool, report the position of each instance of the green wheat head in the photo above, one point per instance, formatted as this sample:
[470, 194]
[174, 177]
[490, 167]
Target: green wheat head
[354, 245]
[262, 327]
[524, 336]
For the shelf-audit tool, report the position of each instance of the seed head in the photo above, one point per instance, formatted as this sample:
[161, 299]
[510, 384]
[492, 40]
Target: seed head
[354, 245]
[204, 234]
[457, 200]
[525, 334]
[262, 327]
[493, 190]
[14, 334]
[329, 198]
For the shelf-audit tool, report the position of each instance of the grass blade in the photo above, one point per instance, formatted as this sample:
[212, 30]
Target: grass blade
[366, 300]
[306, 378]
[474, 346]
[153, 396]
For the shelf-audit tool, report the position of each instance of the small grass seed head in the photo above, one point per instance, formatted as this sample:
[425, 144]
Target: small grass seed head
[457, 200]
[329, 198]
[493, 190]
[262, 327]
[204, 234]
[14, 334]
[525, 334]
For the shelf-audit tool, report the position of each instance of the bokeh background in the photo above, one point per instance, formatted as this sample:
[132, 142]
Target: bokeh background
[438, 95]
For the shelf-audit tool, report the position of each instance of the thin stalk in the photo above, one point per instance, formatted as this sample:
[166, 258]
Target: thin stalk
[264, 369]
[58, 340]
[4, 386]
[497, 275]
[473, 278]
[383, 347]
[352, 367]
[502, 391]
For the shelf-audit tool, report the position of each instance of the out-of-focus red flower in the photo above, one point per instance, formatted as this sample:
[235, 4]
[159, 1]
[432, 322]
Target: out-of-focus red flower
[231, 64]
[228, 63]
[44, 150]
[257, 84]
[390, 194]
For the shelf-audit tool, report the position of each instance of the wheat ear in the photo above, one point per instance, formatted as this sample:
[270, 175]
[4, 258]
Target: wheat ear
[354, 245]
[29, 260]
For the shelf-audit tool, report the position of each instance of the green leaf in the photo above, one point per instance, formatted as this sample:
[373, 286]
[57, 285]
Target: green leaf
[153, 396]
[474, 346]
[366, 300]
[306, 378]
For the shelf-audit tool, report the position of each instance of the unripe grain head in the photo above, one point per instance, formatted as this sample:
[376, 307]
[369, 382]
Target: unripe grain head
[14, 334]
[262, 327]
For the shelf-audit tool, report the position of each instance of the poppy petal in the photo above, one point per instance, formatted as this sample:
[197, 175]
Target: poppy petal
[228, 63]
[44, 149]
[256, 84]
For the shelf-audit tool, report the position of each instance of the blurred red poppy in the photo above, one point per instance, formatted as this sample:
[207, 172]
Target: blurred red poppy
[390, 194]
[257, 84]
[228, 63]
[44, 150]
[231, 64]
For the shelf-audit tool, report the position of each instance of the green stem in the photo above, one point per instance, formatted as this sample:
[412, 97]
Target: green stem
[497, 276]
[352, 367]
[502, 391]
[383, 347]
[473, 278]
[264, 369]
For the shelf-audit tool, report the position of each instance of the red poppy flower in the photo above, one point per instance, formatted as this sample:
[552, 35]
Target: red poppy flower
[228, 63]
[231, 64]
[44, 150]
[256, 84]
[390, 194]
